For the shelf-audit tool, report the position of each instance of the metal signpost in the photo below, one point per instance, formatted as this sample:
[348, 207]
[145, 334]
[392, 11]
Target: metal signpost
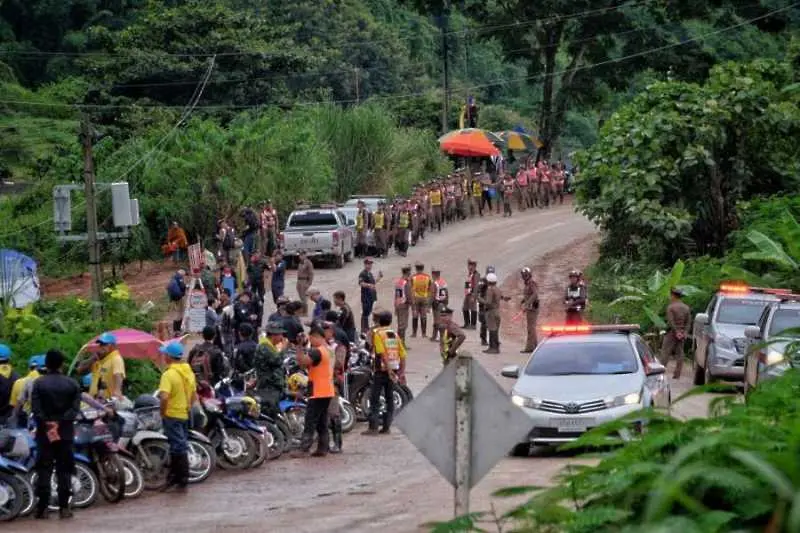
[464, 423]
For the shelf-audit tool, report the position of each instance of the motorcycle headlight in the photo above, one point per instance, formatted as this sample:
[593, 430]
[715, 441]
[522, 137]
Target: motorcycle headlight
[724, 343]
[524, 401]
[624, 399]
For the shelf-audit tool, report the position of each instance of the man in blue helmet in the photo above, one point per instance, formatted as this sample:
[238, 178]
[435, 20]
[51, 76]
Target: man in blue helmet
[7, 379]
[21, 391]
[107, 368]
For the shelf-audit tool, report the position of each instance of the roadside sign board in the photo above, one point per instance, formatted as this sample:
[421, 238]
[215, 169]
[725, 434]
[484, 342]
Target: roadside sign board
[196, 259]
[195, 318]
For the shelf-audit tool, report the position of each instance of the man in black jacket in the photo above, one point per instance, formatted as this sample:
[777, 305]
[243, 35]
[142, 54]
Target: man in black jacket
[244, 354]
[206, 359]
[55, 403]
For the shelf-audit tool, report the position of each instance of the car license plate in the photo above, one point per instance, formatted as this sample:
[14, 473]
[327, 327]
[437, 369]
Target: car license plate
[309, 242]
[572, 425]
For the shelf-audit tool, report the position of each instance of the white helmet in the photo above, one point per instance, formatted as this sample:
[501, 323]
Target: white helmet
[526, 271]
[491, 277]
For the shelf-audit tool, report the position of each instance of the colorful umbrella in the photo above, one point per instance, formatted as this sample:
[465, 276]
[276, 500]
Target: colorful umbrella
[518, 141]
[470, 142]
[132, 344]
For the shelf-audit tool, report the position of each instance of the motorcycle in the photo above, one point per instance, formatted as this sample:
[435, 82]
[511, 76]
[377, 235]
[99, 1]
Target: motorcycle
[141, 436]
[237, 440]
[202, 457]
[358, 383]
[94, 440]
[15, 493]
[293, 406]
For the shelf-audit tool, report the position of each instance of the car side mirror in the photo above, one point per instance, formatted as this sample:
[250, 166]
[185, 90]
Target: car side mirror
[351, 222]
[510, 372]
[655, 369]
[752, 332]
[701, 318]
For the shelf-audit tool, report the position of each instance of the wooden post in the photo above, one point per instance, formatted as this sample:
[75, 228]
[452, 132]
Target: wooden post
[463, 432]
[95, 268]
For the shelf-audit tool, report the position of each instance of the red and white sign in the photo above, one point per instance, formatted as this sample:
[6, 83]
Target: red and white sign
[196, 259]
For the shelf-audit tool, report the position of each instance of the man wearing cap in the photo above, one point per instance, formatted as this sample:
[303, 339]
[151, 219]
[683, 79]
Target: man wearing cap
[177, 392]
[280, 312]
[319, 303]
[369, 293]
[55, 403]
[338, 342]
[7, 379]
[452, 337]
[362, 226]
[470, 307]
[492, 304]
[20, 399]
[421, 294]
[268, 363]
[441, 299]
[107, 368]
[318, 361]
[679, 318]
[380, 223]
[269, 225]
[481, 293]
[403, 227]
[305, 276]
[389, 363]
[402, 301]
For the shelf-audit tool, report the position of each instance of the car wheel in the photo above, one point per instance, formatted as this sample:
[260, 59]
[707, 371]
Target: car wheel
[521, 450]
[348, 257]
[699, 374]
[338, 261]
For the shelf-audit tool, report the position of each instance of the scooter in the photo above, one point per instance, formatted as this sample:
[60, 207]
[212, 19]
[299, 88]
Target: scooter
[94, 440]
[15, 492]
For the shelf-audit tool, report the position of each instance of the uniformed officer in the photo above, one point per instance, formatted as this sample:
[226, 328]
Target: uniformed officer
[492, 302]
[470, 307]
[436, 197]
[482, 286]
[530, 305]
[575, 298]
[421, 294]
[305, 277]
[441, 299]
[402, 301]
[452, 337]
[679, 317]
[362, 225]
[380, 223]
[403, 226]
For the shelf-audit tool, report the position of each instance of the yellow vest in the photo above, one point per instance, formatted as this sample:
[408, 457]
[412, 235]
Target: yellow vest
[420, 286]
[403, 220]
[436, 197]
[378, 217]
[359, 222]
[477, 191]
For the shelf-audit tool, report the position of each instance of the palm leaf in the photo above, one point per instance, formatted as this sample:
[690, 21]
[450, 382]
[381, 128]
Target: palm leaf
[768, 473]
[623, 299]
[673, 279]
[768, 251]
[654, 318]
[735, 272]
[655, 282]
[632, 289]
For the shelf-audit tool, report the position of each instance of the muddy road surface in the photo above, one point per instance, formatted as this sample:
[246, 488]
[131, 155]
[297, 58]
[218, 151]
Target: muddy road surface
[381, 483]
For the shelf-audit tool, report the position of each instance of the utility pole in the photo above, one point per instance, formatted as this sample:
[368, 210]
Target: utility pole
[445, 56]
[95, 269]
[358, 92]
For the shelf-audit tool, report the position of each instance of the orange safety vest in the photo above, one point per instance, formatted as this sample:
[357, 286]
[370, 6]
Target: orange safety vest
[391, 358]
[436, 197]
[441, 289]
[421, 286]
[400, 292]
[321, 375]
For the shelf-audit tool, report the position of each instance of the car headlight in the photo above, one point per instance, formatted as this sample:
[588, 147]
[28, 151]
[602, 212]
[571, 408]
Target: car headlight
[625, 399]
[774, 357]
[724, 343]
[524, 401]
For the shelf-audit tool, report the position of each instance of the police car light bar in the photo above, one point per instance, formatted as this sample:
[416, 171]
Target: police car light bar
[589, 328]
[742, 288]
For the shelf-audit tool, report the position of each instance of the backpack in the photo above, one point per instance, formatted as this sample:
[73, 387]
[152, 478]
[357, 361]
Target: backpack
[201, 364]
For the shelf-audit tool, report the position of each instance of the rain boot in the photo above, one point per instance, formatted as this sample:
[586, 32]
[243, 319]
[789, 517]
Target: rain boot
[466, 316]
[414, 326]
[474, 319]
[182, 474]
[494, 347]
[423, 321]
[484, 334]
[435, 334]
[336, 430]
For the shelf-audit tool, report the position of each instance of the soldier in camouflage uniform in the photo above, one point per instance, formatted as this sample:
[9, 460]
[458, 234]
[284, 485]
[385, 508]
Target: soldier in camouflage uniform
[268, 363]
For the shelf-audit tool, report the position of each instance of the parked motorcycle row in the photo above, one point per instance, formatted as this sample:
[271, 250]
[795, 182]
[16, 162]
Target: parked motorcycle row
[120, 450]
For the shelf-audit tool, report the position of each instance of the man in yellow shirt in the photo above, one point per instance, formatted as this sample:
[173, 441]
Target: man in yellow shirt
[20, 398]
[177, 391]
[107, 368]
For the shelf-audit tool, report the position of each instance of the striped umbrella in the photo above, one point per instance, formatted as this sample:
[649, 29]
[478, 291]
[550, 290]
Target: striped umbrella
[519, 141]
[470, 142]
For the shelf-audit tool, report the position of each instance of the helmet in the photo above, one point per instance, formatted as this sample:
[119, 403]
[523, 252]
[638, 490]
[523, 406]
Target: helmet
[490, 269]
[491, 277]
[526, 271]
[575, 274]
[297, 383]
[107, 338]
[36, 361]
[86, 382]
[5, 353]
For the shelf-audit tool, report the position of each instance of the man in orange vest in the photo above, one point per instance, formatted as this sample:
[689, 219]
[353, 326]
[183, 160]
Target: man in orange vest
[402, 301]
[421, 292]
[389, 363]
[318, 362]
[441, 298]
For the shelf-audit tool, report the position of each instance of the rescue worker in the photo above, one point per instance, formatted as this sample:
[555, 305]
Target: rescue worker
[318, 364]
[530, 305]
[7, 379]
[470, 307]
[421, 294]
[436, 198]
[305, 277]
[345, 317]
[476, 205]
[544, 184]
[522, 188]
[107, 368]
[482, 286]
[450, 201]
[369, 292]
[269, 228]
[403, 226]
[362, 225]
[452, 337]
[55, 404]
[575, 298]
[380, 224]
[20, 399]
[415, 223]
[177, 391]
[402, 301]
[389, 360]
[339, 348]
[441, 299]
[507, 185]
[492, 304]
[268, 363]
[679, 319]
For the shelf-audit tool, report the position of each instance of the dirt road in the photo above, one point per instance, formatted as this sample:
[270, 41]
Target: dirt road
[379, 483]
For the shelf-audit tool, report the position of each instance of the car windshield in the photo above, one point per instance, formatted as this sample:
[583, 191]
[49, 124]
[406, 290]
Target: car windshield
[744, 312]
[312, 218]
[564, 359]
[784, 319]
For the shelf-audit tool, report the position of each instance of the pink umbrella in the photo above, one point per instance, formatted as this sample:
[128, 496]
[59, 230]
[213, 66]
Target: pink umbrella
[132, 344]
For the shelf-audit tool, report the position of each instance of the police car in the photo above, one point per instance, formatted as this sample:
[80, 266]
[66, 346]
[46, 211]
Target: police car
[582, 376]
[718, 335]
[769, 341]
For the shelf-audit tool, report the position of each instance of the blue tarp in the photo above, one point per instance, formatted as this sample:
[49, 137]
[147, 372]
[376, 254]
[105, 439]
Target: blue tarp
[18, 279]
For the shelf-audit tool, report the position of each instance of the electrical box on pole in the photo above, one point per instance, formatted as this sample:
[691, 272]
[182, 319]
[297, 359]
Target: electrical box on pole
[121, 205]
[62, 209]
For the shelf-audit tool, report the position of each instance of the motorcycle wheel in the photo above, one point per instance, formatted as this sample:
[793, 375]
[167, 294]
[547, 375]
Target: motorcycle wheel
[288, 439]
[397, 395]
[134, 480]
[348, 417]
[278, 439]
[407, 392]
[111, 475]
[262, 445]
[29, 495]
[155, 473]
[202, 459]
[238, 451]
[84, 488]
[12, 497]
[296, 418]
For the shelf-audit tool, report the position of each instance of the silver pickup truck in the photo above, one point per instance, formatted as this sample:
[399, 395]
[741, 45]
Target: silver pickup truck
[322, 231]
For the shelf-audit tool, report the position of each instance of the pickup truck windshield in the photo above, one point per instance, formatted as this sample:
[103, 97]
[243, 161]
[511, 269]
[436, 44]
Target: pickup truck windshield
[312, 218]
[744, 312]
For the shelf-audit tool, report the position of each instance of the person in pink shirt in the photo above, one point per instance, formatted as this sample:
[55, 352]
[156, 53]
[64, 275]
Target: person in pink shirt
[522, 188]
